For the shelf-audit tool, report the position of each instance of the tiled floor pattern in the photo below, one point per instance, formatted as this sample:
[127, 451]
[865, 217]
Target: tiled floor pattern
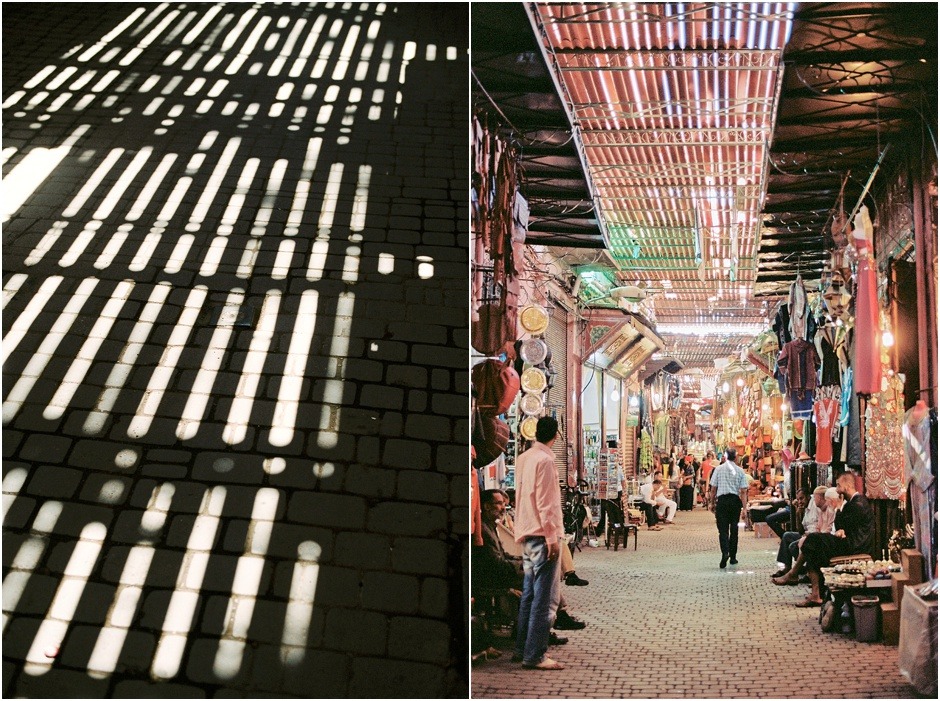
[666, 622]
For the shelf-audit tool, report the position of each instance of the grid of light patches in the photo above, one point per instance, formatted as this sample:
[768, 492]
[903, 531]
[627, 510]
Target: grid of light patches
[149, 212]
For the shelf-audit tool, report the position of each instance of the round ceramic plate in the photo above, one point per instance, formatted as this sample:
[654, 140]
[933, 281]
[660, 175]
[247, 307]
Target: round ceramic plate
[533, 351]
[533, 380]
[527, 427]
[534, 319]
[530, 404]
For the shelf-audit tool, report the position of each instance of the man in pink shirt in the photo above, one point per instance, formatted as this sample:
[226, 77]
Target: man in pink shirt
[539, 528]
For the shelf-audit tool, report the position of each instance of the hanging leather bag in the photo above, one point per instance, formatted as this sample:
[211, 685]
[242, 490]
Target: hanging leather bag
[497, 385]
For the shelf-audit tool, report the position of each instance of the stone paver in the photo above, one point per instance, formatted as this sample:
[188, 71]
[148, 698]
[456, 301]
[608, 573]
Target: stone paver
[666, 622]
[235, 360]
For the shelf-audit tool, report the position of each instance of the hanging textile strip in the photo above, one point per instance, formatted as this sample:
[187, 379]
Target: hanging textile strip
[884, 443]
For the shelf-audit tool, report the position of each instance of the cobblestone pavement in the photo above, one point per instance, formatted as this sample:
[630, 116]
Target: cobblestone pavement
[235, 349]
[666, 622]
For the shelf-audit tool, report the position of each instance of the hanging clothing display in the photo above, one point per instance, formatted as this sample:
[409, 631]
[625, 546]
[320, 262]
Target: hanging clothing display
[830, 372]
[867, 358]
[646, 452]
[884, 443]
[661, 438]
[799, 309]
[826, 413]
[919, 434]
[798, 363]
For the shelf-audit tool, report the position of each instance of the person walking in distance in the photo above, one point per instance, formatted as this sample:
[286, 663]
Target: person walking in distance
[539, 528]
[728, 497]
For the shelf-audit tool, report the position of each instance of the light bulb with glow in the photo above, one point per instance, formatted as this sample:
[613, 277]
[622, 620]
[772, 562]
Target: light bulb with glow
[725, 388]
[776, 426]
[634, 401]
[731, 412]
[614, 396]
[740, 382]
[887, 339]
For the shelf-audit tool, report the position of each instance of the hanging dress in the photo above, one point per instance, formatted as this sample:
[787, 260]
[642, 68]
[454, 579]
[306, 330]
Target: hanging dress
[867, 329]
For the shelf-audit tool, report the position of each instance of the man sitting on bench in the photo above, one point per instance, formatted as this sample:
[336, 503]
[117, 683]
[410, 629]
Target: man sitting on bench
[854, 535]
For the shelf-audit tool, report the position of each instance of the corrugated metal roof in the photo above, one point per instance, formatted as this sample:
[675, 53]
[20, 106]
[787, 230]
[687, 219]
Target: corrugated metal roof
[673, 106]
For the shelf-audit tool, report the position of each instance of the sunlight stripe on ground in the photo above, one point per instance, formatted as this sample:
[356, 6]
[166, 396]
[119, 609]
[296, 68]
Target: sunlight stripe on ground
[288, 397]
[29, 555]
[46, 350]
[28, 316]
[201, 391]
[182, 607]
[303, 589]
[163, 373]
[241, 604]
[111, 638]
[121, 371]
[52, 631]
[86, 354]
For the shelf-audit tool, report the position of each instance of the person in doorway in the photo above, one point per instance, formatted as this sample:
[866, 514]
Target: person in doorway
[728, 496]
[540, 530]
[854, 533]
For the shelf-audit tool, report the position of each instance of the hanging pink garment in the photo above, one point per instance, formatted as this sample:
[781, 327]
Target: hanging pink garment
[867, 329]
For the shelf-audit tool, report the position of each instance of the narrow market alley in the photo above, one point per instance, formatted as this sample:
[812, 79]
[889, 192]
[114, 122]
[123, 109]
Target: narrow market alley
[233, 441]
[664, 621]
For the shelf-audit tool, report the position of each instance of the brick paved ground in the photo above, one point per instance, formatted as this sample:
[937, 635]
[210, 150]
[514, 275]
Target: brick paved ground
[235, 349]
[666, 622]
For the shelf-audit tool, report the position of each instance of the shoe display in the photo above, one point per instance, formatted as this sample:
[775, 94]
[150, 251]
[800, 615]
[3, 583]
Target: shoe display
[573, 580]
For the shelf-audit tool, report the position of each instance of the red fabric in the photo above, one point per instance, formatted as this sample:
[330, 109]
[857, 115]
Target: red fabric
[476, 515]
[867, 365]
[827, 413]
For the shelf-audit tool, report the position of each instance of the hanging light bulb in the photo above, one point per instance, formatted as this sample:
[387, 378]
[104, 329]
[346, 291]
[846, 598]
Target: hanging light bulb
[725, 388]
[887, 339]
[731, 412]
[615, 396]
[740, 382]
[776, 426]
[766, 407]
[634, 402]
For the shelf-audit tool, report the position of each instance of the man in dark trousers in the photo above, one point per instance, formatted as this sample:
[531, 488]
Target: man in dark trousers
[728, 497]
[854, 535]
[540, 529]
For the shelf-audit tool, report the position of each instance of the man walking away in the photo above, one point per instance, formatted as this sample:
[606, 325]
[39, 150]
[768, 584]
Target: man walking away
[539, 528]
[728, 497]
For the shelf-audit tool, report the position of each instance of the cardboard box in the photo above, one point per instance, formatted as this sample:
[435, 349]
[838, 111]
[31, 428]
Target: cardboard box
[890, 623]
[912, 562]
[899, 580]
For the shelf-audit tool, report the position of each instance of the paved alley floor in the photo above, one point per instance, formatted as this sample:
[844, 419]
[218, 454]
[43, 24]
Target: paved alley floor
[666, 622]
[235, 349]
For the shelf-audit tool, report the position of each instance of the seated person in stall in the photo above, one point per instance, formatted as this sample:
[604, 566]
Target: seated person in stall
[825, 517]
[504, 527]
[817, 518]
[494, 568]
[649, 505]
[854, 535]
[665, 507]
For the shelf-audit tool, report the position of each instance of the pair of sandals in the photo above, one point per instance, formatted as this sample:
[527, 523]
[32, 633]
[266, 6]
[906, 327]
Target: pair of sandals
[655, 528]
